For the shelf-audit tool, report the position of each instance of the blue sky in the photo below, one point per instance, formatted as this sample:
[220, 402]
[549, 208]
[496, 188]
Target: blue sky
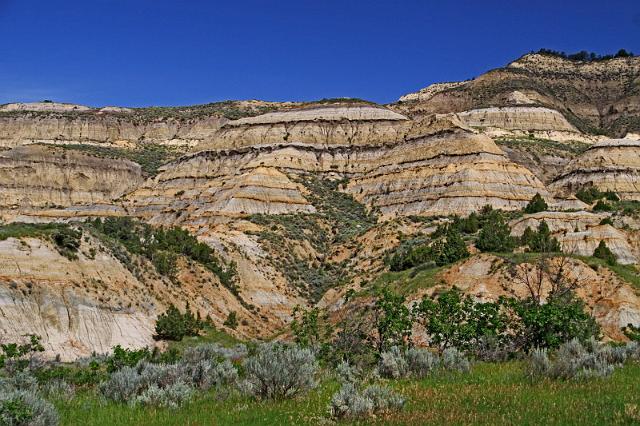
[160, 52]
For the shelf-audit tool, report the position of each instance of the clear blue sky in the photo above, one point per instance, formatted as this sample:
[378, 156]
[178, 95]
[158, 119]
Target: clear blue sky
[160, 52]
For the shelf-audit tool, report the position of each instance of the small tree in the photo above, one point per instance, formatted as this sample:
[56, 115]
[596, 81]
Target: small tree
[231, 321]
[541, 241]
[537, 204]
[310, 327]
[495, 234]
[393, 321]
[603, 252]
[456, 320]
[173, 325]
[449, 249]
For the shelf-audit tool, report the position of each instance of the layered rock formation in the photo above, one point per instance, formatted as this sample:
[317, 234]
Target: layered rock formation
[612, 165]
[600, 94]
[449, 172]
[37, 177]
[327, 125]
[579, 233]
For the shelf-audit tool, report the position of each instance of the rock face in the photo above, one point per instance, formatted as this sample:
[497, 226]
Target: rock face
[580, 233]
[450, 172]
[613, 165]
[37, 177]
[602, 94]
[328, 125]
[94, 302]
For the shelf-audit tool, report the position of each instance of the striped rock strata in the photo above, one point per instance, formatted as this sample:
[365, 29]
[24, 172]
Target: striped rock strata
[37, 178]
[450, 172]
[612, 165]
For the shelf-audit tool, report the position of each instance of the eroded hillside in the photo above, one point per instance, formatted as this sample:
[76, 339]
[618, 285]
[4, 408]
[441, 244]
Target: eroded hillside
[306, 203]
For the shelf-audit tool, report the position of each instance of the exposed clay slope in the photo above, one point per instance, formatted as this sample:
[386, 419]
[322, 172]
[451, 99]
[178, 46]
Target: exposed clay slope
[94, 303]
[39, 176]
[613, 165]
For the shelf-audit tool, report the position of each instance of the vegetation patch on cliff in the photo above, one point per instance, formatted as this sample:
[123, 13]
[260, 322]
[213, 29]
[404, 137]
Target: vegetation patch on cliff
[338, 220]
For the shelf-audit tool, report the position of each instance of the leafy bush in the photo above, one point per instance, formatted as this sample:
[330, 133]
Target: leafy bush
[632, 332]
[454, 319]
[536, 205]
[548, 325]
[19, 353]
[279, 371]
[19, 407]
[348, 402]
[173, 325]
[603, 252]
[393, 320]
[123, 357]
[590, 194]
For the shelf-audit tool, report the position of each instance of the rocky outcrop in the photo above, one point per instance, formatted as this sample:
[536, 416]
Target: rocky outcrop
[612, 165]
[579, 233]
[327, 125]
[93, 303]
[452, 172]
[592, 95]
[43, 177]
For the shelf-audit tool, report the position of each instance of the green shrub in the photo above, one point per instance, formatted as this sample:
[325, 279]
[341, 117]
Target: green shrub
[540, 241]
[393, 320]
[536, 205]
[123, 357]
[456, 320]
[603, 252]
[495, 235]
[602, 206]
[231, 321]
[449, 249]
[173, 325]
[550, 324]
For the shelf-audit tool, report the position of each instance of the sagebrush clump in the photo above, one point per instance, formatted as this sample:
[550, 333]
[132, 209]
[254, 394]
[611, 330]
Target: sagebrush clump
[279, 371]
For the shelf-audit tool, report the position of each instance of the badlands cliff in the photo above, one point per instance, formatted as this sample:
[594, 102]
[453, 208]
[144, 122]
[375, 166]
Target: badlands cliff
[307, 199]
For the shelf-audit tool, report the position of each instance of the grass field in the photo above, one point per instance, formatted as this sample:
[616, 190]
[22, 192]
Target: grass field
[490, 394]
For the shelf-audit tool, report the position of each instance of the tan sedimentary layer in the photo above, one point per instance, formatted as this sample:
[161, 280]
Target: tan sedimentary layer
[38, 176]
[453, 172]
[93, 303]
[612, 165]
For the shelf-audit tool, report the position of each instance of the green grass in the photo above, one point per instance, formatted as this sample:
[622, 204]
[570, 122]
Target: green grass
[209, 335]
[405, 282]
[490, 394]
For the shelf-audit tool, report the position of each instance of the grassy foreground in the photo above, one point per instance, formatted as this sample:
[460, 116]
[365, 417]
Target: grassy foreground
[490, 394]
